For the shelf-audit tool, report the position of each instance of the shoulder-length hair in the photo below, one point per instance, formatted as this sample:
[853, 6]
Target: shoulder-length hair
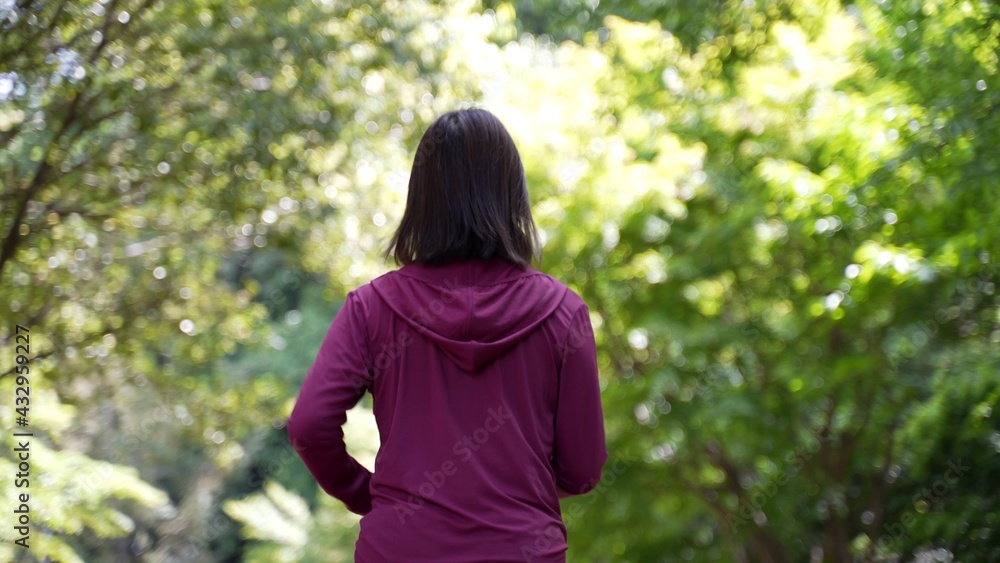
[468, 196]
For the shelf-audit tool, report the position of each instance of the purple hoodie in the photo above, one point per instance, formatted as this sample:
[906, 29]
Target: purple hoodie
[487, 400]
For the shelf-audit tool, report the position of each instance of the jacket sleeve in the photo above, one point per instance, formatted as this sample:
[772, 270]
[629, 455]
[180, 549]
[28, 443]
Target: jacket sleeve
[334, 384]
[580, 450]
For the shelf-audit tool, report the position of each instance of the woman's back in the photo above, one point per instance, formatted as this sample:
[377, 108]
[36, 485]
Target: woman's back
[486, 396]
[483, 371]
[467, 412]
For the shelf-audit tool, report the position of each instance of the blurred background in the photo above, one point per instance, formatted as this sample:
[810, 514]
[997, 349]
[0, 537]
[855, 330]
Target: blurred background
[783, 215]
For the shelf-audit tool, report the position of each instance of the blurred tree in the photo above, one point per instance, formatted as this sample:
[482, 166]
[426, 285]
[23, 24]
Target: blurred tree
[780, 213]
[141, 143]
[775, 317]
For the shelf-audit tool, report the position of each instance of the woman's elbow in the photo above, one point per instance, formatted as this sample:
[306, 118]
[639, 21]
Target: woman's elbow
[582, 480]
[300, 431]
[577, 486]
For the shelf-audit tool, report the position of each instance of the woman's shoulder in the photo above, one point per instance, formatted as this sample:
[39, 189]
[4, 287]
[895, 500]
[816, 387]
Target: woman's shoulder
[571, 299]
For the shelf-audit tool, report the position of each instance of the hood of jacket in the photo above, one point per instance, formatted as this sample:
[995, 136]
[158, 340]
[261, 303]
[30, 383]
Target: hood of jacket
[472, 310]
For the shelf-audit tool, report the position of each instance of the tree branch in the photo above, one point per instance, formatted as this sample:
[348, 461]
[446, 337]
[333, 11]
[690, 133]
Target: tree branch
[40, 356]
[13, 238]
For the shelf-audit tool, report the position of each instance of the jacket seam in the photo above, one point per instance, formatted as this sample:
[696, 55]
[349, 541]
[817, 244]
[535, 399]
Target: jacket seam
[569, 331]
[468, 317]
[366, 334]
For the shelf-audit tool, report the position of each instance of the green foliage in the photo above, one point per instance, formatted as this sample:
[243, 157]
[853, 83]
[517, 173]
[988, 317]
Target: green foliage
[780, 212]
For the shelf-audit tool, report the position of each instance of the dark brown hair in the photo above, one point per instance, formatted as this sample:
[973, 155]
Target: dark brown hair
[468, 196]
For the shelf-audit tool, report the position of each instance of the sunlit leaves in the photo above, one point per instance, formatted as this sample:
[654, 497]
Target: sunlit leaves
[780, 212]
